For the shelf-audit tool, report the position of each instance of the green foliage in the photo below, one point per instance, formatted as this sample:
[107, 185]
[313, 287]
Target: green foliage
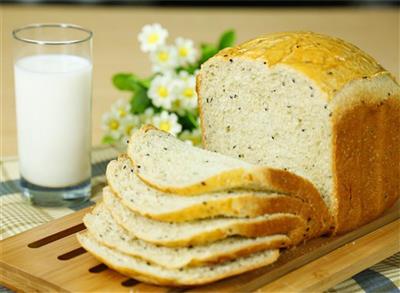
[107, 139]
[227, 39]
[140, 101]
[188, 121]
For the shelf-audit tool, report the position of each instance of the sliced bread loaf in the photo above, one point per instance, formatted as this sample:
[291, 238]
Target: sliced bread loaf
[202, 231]
[149, 202]
[172, 166]
[314, 105]
[151, 273]
[103, 227]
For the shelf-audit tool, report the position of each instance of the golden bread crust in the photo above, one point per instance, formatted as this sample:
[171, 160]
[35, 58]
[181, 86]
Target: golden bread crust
[366, 153]
[330, 62]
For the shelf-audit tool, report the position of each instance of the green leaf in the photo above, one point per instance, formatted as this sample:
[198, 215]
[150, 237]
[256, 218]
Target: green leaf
[126, 81]
[188, 121]
[140, 101]
[107, 139]
[207, 51]
[227, 39]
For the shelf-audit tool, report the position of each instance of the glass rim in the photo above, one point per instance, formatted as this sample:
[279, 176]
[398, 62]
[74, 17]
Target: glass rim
[52, 25]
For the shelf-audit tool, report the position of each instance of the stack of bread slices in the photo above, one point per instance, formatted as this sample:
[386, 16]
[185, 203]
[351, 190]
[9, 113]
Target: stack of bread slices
[174, 214]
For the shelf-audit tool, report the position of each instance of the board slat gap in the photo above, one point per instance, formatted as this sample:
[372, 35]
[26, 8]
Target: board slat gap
[129, 282]
[98, 269]
[57, 236]
[72, 254]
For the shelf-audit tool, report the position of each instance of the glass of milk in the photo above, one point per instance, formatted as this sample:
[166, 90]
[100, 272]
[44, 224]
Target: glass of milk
[53, 88]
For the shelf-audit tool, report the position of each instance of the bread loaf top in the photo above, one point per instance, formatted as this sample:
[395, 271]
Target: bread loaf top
[330, 62]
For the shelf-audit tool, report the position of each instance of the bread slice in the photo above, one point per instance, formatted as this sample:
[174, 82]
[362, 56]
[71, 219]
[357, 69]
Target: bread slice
[161, 206]
[103, 227]
[314, 105]
[150, 273]
[170, 165]
[202, 231]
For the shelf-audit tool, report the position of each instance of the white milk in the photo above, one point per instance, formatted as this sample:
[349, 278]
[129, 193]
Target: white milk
[53, 96]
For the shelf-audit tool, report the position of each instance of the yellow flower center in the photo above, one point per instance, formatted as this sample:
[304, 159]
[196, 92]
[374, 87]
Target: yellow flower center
[188, 93]
[163, 92]
[177, 104]
[165, 125]
[153, 38]
[121, 112]
[113, 124]
[163, 56]
[128, 129]
[183, 52]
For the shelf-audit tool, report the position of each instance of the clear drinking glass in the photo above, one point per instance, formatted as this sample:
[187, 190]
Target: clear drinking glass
[53, 85]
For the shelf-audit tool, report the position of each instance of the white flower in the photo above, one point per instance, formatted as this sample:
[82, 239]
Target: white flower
[162, 91]
[186, 51]
[121, 108]
[167, 122]
[164, 59]
[111, 124]
[152, 36]
[186, 91]
[128, 124]
[147, 116]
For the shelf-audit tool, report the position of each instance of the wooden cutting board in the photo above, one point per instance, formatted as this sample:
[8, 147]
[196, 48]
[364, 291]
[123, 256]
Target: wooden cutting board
[49, 258]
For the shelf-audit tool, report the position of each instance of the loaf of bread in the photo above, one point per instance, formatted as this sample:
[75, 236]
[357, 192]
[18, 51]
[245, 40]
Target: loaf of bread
[205, 231]
[158, 205]
[102, 226]
[187, 170]
[313, 105]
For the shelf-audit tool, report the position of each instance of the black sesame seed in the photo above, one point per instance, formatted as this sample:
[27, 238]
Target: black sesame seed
[388, 94]
[228, 128]
[330, 114]
[204, 203]
[225, 55]
[311, 88]
[231, 60]
[285, 169]
[326, 107]
[330, 72]
[165, 149]
[272, 137]
[138, 166]
[249, 147]
[265, 62]
[293, 80]
[131, 170]
[303, 130]
[124, 167]
[234, 147]
[203, 183]
[289, 106]
[207, 100]
[147, 155]
[308, 229]
[283, 83]
[265, 109]
[365, 77]
[239, 108]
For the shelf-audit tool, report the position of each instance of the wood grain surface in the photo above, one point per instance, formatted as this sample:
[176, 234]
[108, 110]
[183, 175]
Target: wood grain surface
[314, 266]
[376, 30]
